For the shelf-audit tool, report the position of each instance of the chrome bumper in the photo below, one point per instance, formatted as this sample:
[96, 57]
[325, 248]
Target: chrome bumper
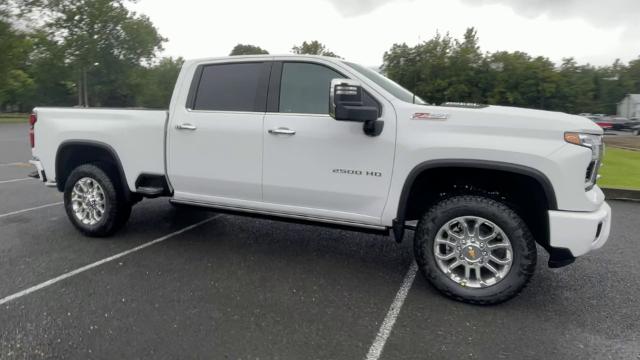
[41, 174]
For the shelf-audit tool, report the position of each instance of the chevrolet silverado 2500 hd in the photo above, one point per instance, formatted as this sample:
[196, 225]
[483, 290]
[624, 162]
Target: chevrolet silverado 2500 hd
[326, 141]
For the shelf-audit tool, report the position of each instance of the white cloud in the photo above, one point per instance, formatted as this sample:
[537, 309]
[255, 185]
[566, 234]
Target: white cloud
[359, 7]
[611, 13]
[362, 30]
[604, 14]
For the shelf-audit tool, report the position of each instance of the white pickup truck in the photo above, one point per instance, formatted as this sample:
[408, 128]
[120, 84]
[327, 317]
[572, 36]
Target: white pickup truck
[322, 140]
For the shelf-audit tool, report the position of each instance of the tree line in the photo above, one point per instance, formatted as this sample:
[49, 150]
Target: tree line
[80, 52]
[100, 53]
[445, 69]
[89, 53]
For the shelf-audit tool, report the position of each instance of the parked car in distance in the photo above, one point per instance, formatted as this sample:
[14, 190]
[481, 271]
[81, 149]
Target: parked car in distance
[634, 126]
[604, 123]
[619, 123]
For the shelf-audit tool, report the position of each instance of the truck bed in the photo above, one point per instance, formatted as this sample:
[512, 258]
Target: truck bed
[136, 136]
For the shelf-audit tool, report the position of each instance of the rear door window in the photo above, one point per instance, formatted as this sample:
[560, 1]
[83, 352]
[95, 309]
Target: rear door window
[231, 87]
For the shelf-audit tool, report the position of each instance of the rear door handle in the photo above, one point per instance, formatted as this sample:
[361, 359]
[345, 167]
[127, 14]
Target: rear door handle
[282, 131]
[186, 126]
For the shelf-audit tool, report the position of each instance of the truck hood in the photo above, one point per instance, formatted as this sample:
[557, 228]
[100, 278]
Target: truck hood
[544, 119]
[511, 118]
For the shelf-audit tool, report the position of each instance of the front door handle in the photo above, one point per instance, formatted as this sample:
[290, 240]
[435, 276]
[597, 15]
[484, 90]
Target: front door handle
[186, 126]
[282, 131]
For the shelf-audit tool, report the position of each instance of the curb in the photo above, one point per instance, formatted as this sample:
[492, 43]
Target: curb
[621, 194]
[624, 147]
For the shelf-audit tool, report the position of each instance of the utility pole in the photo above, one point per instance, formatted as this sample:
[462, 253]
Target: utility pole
[85, 88]
[79, 90]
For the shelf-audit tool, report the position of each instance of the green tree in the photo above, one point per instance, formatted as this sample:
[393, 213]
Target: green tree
[445, 69]
[517, 79]
[465, 67]
[155, 84]
[103, 42]
[424, 69]
[312, 48]
[631, 74]
[612, 83]
[18, 90]
[242, 49]
[14, 50]
[576, 90]
[55, 83]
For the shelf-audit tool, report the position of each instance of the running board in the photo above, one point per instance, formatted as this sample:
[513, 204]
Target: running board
[288, 217]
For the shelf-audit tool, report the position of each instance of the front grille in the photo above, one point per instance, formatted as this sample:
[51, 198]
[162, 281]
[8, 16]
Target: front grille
[591, 175]
[590, 170]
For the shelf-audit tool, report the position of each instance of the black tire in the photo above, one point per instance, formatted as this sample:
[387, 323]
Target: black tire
[522, 243]
[117, 209]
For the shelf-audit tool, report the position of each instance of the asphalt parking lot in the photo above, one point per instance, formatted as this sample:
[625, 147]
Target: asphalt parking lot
[242, 288]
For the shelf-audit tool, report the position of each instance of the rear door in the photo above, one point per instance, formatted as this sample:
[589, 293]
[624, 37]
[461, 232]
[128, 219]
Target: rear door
[215, 138]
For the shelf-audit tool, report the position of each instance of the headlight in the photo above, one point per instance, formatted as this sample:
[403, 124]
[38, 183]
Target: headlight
[593, 142]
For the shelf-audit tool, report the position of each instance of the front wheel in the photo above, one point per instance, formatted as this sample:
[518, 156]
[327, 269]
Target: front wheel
[475, 249]
[93, 203]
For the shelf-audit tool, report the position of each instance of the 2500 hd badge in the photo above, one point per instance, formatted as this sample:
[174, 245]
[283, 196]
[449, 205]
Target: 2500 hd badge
[357, 172]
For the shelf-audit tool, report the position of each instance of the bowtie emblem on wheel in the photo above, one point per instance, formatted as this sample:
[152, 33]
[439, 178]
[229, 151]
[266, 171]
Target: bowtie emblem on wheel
[471, 252]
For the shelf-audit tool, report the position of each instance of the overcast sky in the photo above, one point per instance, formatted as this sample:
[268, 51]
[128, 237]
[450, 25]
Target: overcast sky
[594, 31]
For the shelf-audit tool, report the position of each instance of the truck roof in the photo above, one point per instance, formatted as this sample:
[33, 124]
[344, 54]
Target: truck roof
[266, 56]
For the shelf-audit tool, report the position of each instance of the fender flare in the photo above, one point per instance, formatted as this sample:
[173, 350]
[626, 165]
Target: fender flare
[542, 179]
[96, 144]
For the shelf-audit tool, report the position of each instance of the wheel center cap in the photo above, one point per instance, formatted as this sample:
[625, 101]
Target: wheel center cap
[91, 201]
[471, 253]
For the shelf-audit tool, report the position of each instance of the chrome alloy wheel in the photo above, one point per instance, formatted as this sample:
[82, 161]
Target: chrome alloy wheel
[473, 251]
[88, 201]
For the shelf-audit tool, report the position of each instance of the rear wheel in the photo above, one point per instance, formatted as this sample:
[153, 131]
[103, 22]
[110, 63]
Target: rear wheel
[475, 249]
[93, 202]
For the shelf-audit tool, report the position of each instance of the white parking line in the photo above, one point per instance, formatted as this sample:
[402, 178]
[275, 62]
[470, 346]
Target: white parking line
[15, 180]
[23, 164]
[394, 310]
[100, 262]
[30, 209]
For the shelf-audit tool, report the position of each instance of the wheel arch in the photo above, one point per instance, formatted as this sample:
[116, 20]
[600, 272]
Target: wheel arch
[72, 153]
[419, 170]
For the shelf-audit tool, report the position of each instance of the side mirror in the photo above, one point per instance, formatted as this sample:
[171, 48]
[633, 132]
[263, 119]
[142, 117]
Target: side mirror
[346, 104]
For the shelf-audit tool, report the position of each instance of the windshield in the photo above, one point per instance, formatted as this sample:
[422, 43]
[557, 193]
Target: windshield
[387, 84]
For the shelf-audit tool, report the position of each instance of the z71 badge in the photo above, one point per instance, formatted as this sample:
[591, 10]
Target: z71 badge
[430, 116]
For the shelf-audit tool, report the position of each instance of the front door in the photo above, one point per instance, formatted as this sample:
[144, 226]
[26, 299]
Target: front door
[316, 165]
[215, 140]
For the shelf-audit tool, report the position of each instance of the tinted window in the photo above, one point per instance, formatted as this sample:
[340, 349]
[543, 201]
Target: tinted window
[304, 88]
[231, 87]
